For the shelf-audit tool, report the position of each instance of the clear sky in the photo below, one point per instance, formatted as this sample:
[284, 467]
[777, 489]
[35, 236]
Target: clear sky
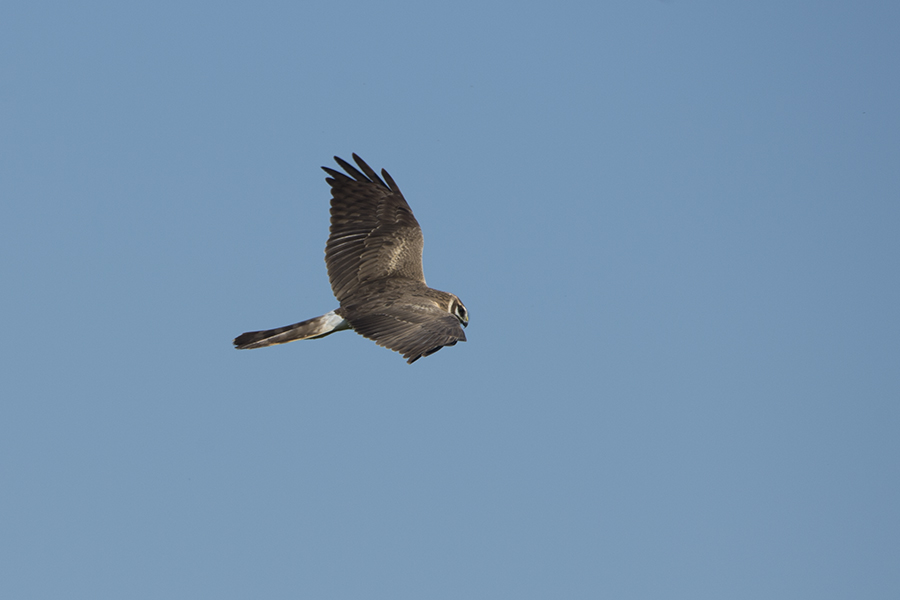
[675, 225]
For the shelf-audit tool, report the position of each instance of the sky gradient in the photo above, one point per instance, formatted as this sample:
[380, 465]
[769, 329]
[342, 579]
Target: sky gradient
[674, 225]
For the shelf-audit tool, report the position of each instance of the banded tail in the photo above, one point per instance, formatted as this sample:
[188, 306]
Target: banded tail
[304, 330]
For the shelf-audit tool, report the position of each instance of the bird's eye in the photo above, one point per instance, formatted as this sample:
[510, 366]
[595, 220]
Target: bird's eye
[460, 312]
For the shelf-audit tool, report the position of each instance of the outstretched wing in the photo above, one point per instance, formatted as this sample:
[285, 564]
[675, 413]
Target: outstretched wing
[414, 332]
[373, 231]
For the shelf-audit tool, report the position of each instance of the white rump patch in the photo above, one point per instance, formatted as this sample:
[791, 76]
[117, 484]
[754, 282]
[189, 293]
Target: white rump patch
[332, 322]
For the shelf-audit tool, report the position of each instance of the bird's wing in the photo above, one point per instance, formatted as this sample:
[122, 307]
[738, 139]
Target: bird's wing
[412, 330]
[373, 231]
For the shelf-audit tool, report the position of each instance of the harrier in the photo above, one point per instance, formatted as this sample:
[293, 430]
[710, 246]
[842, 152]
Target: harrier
[374, 260]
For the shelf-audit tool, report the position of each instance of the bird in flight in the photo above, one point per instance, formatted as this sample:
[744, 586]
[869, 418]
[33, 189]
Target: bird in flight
[374, 260]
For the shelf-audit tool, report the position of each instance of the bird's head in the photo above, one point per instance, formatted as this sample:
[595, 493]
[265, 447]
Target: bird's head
[458, 310]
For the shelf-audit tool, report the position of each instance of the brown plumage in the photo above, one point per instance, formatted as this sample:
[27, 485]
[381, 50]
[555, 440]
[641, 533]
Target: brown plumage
[374, 260]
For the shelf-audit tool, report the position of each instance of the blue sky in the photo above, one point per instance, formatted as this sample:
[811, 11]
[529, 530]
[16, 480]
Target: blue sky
[675, 227]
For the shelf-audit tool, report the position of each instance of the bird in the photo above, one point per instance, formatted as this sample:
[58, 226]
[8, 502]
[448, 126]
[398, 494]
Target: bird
[374, 262]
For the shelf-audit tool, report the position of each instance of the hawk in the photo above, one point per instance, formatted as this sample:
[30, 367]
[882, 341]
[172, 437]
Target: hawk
[374, 260]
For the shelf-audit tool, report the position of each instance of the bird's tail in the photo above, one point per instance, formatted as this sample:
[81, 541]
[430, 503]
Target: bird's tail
[304, 330]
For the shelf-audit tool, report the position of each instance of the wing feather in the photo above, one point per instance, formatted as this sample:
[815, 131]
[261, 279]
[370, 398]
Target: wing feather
[373, 231]
[414, 333]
